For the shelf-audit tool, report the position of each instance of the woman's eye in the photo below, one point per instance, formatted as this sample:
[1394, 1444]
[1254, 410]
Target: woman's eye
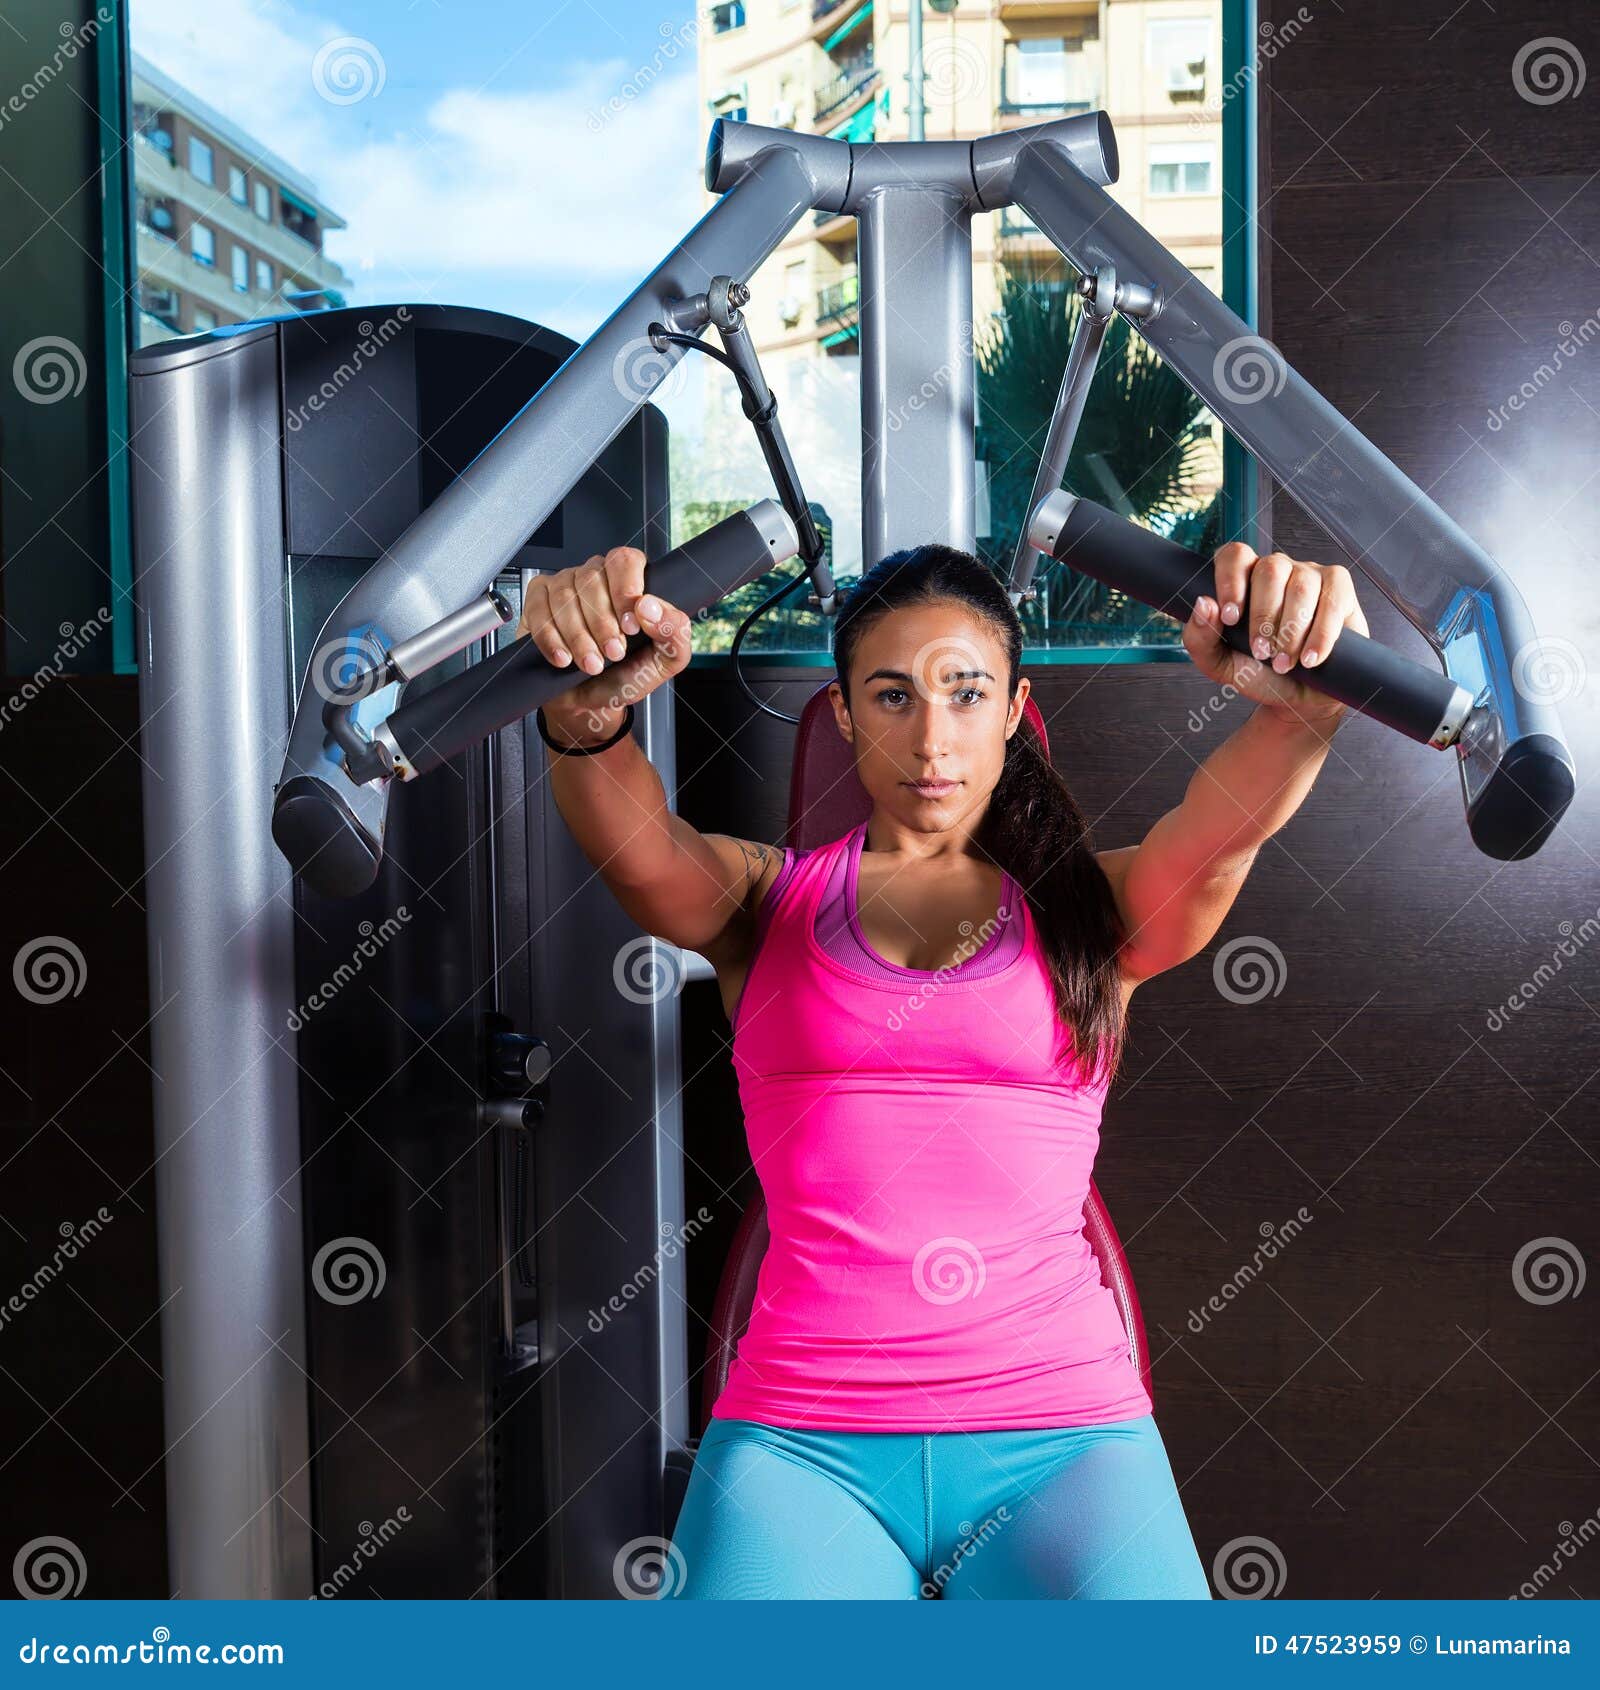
[976, 692]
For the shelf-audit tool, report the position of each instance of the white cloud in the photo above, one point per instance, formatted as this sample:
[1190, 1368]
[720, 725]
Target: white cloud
[480, 195]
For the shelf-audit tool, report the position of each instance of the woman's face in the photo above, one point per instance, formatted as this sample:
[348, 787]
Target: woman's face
[928, 702]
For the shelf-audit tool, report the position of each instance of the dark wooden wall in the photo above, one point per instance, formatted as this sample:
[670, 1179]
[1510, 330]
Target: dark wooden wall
[1378, 1402]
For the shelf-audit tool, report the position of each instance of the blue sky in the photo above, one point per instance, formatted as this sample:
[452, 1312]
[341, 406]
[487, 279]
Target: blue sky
[532, 158]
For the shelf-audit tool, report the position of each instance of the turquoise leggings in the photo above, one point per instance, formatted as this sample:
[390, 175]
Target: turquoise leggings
[1077, 1511]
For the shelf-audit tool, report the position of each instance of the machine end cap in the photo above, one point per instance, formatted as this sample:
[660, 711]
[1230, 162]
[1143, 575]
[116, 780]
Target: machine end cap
[1523, 799]
[322, 839]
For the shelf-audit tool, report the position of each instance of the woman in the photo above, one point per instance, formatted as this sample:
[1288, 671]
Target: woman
[935, 1395]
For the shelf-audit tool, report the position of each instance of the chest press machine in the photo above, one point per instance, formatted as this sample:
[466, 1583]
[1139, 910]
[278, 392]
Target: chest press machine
[421, 1257]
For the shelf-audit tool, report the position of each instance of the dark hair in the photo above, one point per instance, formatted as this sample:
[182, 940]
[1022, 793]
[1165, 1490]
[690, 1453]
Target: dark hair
[1032, 827]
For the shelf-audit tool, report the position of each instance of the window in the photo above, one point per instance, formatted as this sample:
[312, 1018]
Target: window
[263, 276]
[733, 102]
[724, 18]
[263, 202]
[1181, 167]
[202, 244]
[237, 190]
[793, 300]
[200, 165]
[241, 270]
[204, 319]
[1177, 49]
[1047, 71]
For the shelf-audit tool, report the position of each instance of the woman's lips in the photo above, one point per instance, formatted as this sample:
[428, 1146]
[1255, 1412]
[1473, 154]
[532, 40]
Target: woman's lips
[932, 789]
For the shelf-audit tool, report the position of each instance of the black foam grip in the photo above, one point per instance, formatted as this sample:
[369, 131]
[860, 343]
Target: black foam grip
[516, 680]
[1359, 672]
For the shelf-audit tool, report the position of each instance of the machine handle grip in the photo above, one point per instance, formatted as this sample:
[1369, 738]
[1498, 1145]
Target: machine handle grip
[510, 685]
[1369, 677]
[324, 839]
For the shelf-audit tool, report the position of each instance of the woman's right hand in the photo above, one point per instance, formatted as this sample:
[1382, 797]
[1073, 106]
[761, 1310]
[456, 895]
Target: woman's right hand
[583, 617]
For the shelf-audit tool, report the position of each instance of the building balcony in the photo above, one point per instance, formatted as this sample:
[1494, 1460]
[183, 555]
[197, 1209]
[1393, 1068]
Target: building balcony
[839, 301]
[291, 254]
[1017, 225]
[164, 264]
[833, 21]
[1014, 9]
[1034, 101]
[853, 83]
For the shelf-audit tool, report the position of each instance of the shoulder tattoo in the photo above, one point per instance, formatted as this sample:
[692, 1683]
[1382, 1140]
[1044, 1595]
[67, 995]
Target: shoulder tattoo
[757, 858]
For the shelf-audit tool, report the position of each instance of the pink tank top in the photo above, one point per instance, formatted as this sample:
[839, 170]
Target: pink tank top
[925, 1143]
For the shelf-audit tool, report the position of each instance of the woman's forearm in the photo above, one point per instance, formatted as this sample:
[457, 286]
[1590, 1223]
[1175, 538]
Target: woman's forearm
[1252, 784]
[615, 805]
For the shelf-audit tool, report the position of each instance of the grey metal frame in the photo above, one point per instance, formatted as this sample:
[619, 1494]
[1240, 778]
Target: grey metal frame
[914, 202]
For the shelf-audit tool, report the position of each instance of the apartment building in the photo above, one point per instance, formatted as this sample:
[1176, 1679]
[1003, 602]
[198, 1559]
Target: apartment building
[841, 69]
[226, 230]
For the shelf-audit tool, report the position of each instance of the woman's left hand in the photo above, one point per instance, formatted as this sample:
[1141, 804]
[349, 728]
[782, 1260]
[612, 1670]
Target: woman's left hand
[1295, 612]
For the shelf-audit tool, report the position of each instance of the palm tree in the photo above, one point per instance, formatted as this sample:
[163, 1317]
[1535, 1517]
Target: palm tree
[1143, 447]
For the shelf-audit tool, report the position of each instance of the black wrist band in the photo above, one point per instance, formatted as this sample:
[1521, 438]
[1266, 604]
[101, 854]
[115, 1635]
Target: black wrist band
[583, 750]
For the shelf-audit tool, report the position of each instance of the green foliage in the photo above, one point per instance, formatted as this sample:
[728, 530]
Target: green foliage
[1140, 448]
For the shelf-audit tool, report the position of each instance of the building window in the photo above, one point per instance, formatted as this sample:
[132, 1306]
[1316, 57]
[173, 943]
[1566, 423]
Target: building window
[263, 202]
[156, 216]
[732, 102]
[203, 245]
[263, 276]
[1047, 72]
[161, 303]
[1177, 49]
[724, 18]
[238, 192]
[241, 270]
[1181, 167]
[204, 319]
[200, 165]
